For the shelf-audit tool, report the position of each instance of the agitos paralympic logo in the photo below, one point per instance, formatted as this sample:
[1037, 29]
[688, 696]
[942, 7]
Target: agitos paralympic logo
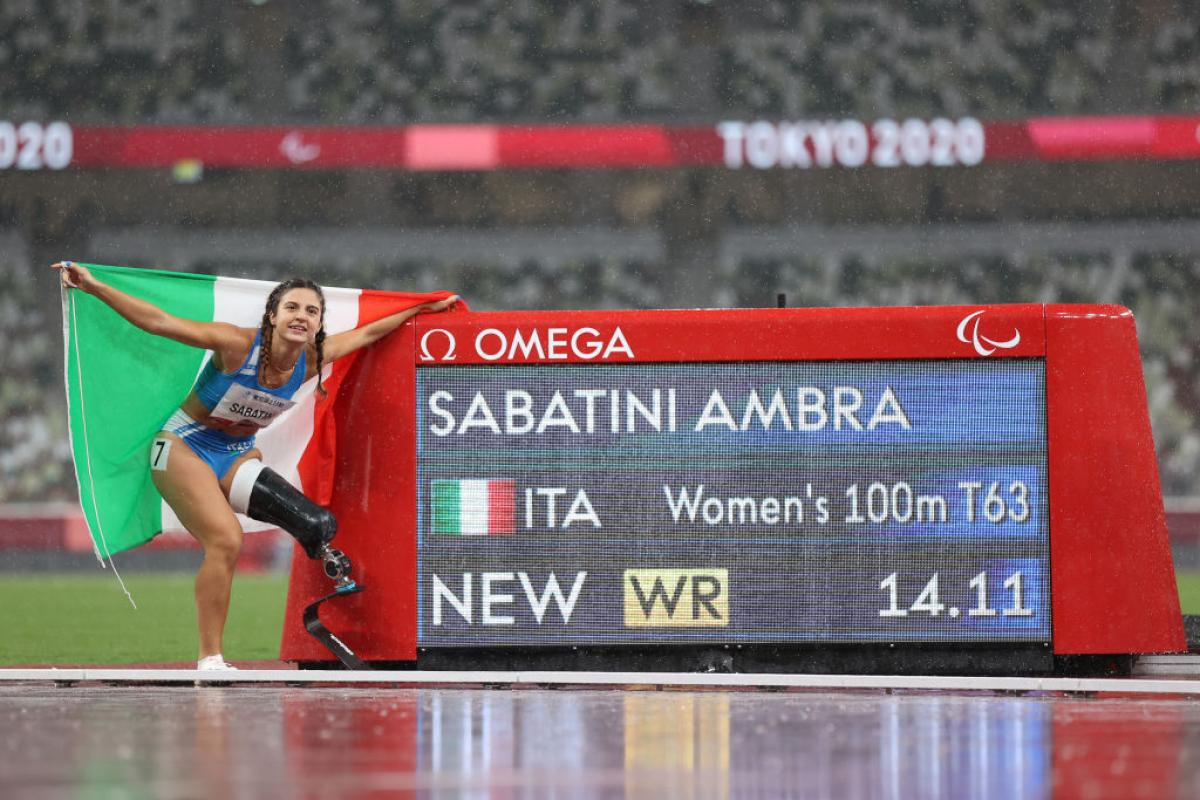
[538, 344]
[676, 597]
[968, 333]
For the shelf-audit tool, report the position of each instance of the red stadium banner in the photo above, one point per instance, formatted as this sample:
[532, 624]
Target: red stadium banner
[762, 145]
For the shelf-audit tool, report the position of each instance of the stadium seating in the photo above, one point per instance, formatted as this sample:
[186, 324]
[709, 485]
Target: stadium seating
[34, 453]
[376, 61]
[1173, 72]
[385, 62]
[880, 59]
[119, 62]
[531, 284]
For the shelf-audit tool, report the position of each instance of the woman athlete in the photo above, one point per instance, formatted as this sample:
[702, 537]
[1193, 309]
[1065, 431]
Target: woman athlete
[204, 462]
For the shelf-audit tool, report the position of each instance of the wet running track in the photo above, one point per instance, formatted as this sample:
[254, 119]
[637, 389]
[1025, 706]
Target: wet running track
[256, 742]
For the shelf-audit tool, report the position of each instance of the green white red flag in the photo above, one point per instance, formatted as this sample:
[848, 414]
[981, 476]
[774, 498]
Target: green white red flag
[122, 385]
[473, 507]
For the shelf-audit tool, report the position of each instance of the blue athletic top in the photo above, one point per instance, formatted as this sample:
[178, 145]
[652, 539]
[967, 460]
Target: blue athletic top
[240, 398]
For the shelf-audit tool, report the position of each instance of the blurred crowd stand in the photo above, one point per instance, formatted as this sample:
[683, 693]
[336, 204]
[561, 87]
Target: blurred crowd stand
[34, 453]
[386, 62]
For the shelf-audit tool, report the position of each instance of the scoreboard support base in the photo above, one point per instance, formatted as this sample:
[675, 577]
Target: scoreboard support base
[843, 660]
[899, 659]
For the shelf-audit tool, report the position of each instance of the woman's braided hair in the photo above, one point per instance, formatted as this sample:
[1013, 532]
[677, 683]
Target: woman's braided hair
[268, 331]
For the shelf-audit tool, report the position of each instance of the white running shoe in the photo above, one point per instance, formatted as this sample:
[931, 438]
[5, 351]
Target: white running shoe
[214, 663]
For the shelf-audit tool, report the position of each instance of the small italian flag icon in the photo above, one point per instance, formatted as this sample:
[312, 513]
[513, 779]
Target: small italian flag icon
[473, 507]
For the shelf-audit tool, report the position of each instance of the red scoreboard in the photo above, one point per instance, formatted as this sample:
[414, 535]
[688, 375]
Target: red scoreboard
[939, 480]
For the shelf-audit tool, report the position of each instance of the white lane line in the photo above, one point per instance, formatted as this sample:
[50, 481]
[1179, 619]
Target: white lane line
[14, 675]
[738, 680]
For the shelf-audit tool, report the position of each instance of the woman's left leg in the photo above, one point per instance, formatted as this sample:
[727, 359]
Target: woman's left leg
[189, 486]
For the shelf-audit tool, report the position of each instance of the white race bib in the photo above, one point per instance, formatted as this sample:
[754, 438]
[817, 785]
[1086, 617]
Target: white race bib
[241, 404]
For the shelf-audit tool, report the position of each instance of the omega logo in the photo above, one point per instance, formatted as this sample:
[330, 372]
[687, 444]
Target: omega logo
[451, 343]
[551, 344]
[537, 344]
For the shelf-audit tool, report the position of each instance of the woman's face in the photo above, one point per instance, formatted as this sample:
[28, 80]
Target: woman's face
[298, 317]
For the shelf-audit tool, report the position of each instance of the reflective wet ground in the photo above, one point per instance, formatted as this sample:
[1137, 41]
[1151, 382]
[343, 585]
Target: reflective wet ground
[254, 742]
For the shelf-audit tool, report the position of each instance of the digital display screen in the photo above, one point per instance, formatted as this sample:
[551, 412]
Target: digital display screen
[764, 502]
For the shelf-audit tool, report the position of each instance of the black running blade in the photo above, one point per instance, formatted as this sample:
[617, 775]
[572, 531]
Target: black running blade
[313, 624]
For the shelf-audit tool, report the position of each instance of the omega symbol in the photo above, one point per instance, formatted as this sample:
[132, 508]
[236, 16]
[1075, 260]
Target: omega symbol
[982, 344]
[450, 345]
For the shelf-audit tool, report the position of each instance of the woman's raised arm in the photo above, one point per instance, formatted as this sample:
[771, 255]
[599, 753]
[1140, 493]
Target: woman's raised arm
[219, 336]
[347, 342]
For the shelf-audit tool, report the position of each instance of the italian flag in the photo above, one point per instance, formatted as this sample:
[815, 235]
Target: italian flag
[122, 385]
[473, 507]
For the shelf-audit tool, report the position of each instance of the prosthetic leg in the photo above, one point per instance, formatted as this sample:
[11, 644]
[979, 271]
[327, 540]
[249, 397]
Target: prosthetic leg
[262, 494]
